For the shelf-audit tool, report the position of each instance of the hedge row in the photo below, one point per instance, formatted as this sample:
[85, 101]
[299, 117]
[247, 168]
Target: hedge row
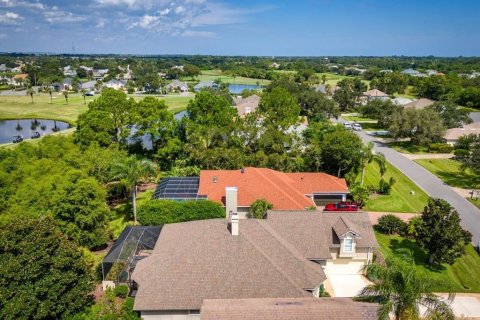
[157, 212]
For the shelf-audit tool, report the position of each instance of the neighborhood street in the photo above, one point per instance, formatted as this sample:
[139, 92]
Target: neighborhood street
[432, 185]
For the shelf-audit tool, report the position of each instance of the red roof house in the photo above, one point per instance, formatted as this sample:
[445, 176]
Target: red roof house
[285, 191]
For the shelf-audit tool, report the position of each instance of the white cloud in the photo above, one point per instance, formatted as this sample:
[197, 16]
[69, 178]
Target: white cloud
[198, 34]
[10, 18]
[147, 22]
[22, 3]
[180, 10]
[164, 12]
[58, 16]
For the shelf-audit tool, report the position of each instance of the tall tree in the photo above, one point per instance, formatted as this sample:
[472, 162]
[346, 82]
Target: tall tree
[83, 92]
[401, 292]
[132, 170]
[367, 155]
[453, 116]
[31, 92]
[441, 234]
[280, 108]
[42, 274]
[65, 94]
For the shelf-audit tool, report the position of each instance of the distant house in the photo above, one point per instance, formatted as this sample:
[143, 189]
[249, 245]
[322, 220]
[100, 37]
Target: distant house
[67, 84]
[290, 254]
[205, 85]
[275, 65]
[68, 71]
[247, 105]
[89, 85]
[375, 94]
[177, 85]
[401, 101]
[99, 74]
[115, 84]
[413, 73]
[421, 103]
[452, 135]
[19, 78]
[3, 68]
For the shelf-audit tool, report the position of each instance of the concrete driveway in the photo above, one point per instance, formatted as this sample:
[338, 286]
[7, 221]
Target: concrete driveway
[347, 285]
[464, 305]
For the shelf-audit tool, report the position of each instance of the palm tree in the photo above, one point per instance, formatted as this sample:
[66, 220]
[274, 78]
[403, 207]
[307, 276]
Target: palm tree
[50, 92]
[84, 94]
[401, 293]
[31, 92]
[132, 170]
[367, 156]
[65, 93]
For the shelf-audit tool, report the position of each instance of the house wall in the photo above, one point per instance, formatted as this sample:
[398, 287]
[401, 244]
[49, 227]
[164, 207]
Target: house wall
[360, 253]
[170, 315]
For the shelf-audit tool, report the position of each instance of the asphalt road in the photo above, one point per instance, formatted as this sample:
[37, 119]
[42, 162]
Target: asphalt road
[432, 185]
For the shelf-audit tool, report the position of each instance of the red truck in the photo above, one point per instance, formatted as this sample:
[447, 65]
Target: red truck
[342, 206]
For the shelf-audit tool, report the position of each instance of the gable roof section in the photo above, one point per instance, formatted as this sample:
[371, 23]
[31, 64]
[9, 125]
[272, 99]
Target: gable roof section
[199, 260]
[286, 191]
[288, 308]
[375, 93]
[343, 226]
[455, 133]
[421, 103]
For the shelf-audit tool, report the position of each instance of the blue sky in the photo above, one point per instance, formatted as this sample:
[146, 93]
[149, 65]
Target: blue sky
[247, 27]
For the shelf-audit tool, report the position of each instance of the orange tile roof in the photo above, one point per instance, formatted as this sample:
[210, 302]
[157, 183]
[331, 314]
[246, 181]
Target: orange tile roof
[286, 191]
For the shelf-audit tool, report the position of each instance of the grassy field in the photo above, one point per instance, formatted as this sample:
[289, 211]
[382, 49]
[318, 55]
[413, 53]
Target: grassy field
[462, 276]
[407, 147]
[357, 117]
[449, 171]
[332, 79]
[211, 75]
[20, 107]
[400, 198]
[476, 202]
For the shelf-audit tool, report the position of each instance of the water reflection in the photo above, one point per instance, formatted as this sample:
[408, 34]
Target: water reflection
[27, 127]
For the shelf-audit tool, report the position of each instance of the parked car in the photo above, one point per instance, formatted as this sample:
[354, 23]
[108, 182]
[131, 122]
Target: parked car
[347, 125]
[342, 206]
[357, 127]
[17, 139]
[35, 135]
[90, 93]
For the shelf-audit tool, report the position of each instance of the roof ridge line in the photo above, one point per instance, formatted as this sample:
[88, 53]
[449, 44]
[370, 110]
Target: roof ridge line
[274, 264]
[280, 190]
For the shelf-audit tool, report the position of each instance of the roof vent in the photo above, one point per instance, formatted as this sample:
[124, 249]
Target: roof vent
[214, 179]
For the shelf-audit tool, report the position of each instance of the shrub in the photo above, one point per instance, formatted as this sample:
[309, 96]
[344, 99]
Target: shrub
[121, 291]
[157, 212]
[258, 208]
[384, 187]
[391, 224]
[440, 148]
[461, 154]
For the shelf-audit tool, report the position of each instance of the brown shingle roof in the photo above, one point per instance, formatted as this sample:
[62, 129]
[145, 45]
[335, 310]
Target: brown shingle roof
[198, 260]
[421, 103]
[288, 309]
[375, 93]
[455, 133]
[312, 232]
[286, 191]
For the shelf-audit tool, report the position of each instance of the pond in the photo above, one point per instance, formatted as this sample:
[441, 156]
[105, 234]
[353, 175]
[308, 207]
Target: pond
[238, 88]
[180, 115]
[26, 127]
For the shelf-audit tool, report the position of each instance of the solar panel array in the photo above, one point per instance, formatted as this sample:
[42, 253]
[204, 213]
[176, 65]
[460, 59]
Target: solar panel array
[178, 188]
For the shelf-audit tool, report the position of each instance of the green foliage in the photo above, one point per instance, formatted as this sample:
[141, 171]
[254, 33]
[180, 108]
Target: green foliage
[384, 187]
[259, 208]
[453, 116]
[280, 108]
[441, 234]
[391, 224]
[158, 212]
[110, 307]
[440, 148]
[115, 271]
[400, 292]
[121, 291]
[42, 274]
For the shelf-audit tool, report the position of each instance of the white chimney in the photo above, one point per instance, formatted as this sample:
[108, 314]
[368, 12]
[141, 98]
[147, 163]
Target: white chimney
[234, 224]
[230, 201]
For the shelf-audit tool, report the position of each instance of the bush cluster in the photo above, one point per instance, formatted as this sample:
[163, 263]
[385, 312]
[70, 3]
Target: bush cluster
[158, 212]
[391, 224]
[440, 148]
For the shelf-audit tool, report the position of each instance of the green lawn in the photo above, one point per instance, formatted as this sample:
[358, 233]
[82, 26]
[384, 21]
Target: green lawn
[449, 171]
[400, 198]
[20, 107]
[211, 75]
[408, 147]
[333, 79]
[476, 202]
[462, 276]
[357, 117]
[122, 214]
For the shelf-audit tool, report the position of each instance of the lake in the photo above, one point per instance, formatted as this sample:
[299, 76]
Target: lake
[25, 127]
[238, 88]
